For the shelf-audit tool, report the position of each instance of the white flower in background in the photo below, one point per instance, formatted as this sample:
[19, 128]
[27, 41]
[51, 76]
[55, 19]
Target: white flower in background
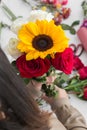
[16, 25]
[12, 48]
[34, 15]
[40, 15]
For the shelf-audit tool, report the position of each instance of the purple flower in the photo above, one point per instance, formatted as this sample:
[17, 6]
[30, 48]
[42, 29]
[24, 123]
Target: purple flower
[84, 24]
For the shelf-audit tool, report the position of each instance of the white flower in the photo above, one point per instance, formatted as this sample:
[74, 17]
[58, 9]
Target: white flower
[34, 15]
[12, 48]
[16, 25]
[40, 15]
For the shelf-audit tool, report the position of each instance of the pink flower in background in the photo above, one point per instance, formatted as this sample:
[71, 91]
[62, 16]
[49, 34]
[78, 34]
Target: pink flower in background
[64, 2]
[55, 2]
[44, 1]
[66, 12]
[77, 63]
[84, 24]
[82, 34]
[85, 93]
[83, 73]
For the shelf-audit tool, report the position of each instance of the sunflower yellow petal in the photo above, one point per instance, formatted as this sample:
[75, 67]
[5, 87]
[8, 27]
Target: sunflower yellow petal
[32, 28]
[36, 55]
[31, 55]
[24, 35]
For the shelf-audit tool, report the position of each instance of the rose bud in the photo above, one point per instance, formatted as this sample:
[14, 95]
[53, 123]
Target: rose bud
[58, 19]
[66, 12]
[83, 73]
[77, 63]
[85, 93]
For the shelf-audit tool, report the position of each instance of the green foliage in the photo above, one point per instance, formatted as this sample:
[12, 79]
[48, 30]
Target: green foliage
[75, 23]
[49, 90]
[40, 79]
[65, 26]
[73, 84]
[71, 27]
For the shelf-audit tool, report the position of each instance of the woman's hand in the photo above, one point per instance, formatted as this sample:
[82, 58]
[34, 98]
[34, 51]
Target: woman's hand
[61, 94]
[2, 115]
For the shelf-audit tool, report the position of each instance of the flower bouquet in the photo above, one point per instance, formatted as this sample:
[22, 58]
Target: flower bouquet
[41, 54]
[40, 49]
[82, 32]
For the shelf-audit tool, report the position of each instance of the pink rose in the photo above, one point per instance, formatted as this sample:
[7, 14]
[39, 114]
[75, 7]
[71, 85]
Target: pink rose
[64, 61]
[32, 68]
[83, 73]
[77, 63]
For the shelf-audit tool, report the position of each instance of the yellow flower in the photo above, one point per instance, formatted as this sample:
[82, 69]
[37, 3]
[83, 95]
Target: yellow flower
[40, 38]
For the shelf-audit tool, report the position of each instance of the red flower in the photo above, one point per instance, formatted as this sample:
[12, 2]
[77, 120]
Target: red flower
[83, 73]
[64, 61]
[77, 63]
[85, 93]
[32, 68]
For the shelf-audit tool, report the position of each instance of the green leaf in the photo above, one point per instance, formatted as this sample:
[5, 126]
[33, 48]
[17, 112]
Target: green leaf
[64, 77]
[61, 81]
[80, 95]
[8, 12]
[65, 26]
[73, 81]
[72, 31]
[15, 67]
[40, 79]
[26, 80]
[75, 23]
[0, 28]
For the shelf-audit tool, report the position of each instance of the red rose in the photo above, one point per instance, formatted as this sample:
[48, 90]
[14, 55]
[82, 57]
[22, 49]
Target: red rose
[64, 61]
[77, 63]
[32, 68]
[83, 73]
[85, 93]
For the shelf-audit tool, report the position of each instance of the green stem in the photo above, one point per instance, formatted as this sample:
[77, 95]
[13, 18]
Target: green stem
[9, 12]
[79, 84]
[27, 2]
[0, 28]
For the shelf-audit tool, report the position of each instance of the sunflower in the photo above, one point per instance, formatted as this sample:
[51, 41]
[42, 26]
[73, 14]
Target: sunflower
[41, 38]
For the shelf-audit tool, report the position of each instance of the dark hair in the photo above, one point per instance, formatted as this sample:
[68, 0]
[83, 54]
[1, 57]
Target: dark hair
[16, 96]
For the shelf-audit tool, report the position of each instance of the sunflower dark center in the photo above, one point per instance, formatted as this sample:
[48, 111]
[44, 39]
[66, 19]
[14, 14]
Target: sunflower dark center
[42, 42]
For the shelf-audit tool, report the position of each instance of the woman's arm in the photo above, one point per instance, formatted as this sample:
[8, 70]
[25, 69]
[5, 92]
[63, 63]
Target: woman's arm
[67, 114]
